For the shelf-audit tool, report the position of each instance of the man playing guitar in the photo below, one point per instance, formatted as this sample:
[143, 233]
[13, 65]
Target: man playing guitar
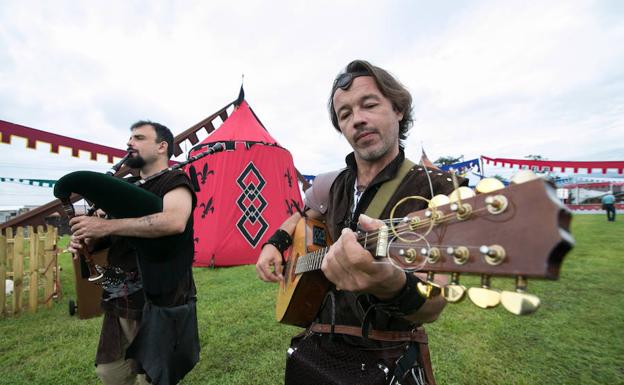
[372, 313]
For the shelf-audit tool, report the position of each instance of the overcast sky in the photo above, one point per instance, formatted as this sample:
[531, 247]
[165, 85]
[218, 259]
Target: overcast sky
[496, 78]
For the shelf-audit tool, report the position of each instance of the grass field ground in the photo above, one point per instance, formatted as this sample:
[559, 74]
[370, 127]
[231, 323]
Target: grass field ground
[576, 337]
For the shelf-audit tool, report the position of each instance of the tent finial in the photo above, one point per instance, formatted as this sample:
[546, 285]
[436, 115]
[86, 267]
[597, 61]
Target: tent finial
[241, 94]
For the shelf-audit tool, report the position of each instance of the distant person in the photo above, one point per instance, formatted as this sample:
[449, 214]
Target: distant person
[608, 204]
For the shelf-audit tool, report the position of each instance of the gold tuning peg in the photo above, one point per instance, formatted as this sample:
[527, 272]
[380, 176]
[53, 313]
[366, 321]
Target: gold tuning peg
[439, 200]
[460, 193]
[483, 296]
[523, 176]
[454, 292]
[487, 185]
[429, 289]
[496, 204]
[520, 302]
[463, 210]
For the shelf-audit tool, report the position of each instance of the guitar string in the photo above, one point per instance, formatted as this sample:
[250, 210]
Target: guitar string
[373, 235]
[423, 168]
[423, 224]
[311, 260]
[389, 221]
[444, 219]
[320, 252]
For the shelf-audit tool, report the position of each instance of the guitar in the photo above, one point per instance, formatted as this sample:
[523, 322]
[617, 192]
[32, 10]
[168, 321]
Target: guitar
[521, 231]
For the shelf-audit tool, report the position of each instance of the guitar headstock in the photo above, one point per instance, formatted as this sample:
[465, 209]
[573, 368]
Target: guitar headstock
[521, 231]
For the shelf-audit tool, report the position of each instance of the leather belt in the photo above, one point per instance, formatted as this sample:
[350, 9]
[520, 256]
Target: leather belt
[416, 335]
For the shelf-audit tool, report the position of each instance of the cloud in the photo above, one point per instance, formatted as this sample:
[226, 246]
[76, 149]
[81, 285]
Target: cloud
[515, 77]
[495, 78]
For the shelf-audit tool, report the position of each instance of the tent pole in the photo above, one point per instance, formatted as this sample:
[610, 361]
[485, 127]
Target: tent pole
[482, 167]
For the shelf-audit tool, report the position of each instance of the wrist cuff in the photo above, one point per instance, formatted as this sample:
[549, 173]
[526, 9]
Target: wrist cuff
[281, 240]
[409, 299]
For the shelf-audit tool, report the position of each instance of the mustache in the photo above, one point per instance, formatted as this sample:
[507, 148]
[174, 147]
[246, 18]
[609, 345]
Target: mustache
[364, 132]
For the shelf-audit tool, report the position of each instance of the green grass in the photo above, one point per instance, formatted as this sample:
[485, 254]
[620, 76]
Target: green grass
[576, 337]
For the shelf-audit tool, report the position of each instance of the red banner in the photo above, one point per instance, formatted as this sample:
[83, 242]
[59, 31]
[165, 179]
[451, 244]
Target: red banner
[7, 130]
[598, 185]
[557, 166]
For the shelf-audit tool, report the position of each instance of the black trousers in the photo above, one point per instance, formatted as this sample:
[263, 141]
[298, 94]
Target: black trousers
[610, 212]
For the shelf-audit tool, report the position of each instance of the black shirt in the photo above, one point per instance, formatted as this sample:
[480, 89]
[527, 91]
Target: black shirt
[167, 277]
[165, 261]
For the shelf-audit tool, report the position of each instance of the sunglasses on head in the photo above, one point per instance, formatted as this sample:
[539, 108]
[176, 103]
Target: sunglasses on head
[344, 80]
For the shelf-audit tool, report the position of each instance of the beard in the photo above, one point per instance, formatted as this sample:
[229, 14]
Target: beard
[375, 152]
[135, 162]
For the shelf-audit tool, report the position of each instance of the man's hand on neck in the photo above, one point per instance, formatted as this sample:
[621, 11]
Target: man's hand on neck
[350, 267]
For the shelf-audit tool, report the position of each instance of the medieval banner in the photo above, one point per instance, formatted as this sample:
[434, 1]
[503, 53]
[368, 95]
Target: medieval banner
[584, 167]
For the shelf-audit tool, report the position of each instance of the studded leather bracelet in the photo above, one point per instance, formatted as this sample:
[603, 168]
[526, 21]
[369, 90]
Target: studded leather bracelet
[281, 240]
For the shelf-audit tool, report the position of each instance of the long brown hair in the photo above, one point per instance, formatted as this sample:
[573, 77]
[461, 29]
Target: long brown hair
[389, 87]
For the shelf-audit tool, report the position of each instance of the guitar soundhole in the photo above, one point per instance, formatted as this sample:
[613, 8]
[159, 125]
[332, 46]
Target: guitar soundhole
[318, 236]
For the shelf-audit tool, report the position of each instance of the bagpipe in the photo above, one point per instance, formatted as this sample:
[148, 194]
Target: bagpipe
[118, 199]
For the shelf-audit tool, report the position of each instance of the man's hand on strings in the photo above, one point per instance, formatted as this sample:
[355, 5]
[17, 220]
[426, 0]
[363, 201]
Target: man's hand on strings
[351, 267]
[269, 265]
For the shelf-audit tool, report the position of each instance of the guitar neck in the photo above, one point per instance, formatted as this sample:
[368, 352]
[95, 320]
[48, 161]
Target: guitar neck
[311, 261]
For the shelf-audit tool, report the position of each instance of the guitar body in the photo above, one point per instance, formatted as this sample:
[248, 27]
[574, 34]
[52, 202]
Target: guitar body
[300, 295]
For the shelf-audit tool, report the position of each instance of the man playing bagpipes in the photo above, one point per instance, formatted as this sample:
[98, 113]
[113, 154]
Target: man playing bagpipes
[150, 324]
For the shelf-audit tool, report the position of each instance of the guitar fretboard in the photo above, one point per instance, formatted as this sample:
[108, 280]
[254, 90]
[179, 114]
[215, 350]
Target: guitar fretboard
[311, 261]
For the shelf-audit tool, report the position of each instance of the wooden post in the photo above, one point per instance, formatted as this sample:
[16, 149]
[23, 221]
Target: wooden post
[40, 248]
[57, 272]
[18, 270]
[33, 268]
[41, 253]
[49, 245]
[9, 253]
[3, 250]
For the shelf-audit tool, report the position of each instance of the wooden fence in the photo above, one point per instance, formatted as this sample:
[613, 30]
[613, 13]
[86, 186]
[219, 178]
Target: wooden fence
[29, 258]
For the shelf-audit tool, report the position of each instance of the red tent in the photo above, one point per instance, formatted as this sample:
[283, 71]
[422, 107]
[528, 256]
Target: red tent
[246, 192]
